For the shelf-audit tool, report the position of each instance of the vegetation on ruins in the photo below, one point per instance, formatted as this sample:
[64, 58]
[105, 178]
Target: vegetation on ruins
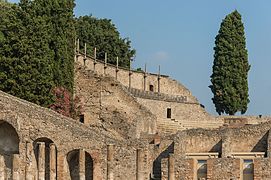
[230, 68]
[104, 36]
[25, 55]
[37, 49]
[64, 104]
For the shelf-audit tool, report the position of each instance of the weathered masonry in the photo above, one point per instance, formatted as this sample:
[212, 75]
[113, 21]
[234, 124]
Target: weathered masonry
[37, 143]
[133, 126]
[173, 105]
[164, 94]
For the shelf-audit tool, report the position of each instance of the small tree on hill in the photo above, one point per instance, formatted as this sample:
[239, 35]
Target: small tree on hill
[230, 68]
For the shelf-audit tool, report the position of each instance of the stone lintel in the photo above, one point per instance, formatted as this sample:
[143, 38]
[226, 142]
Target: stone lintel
[249, 155]
[202, 156]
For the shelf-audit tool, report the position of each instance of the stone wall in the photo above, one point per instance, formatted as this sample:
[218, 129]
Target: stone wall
[252, 138]
[232, 145]
[223, 169]
[167, 85]
[40, 130]
[246, 139]
[186, 111]
[198, 141]
[237, 121]
[106, 104]
[183, 115]
[262, 169]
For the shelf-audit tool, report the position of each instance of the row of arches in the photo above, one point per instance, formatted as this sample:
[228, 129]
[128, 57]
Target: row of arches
[41, 158]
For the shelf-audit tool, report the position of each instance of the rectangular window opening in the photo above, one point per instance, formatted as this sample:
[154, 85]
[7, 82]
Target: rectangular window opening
[169, 113]
[82, 118]
[248, 169]
[151, 88]
[202, 169]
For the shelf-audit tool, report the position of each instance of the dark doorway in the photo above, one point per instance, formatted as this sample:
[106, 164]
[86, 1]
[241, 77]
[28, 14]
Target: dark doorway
[151, 88]
[169, 113]
[82, 118]
[73, 162]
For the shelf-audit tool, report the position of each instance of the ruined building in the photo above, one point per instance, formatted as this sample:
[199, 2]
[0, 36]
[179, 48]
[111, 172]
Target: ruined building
[133, 126]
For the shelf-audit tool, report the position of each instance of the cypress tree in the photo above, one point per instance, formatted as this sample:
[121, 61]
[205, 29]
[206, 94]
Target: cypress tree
[230, 68]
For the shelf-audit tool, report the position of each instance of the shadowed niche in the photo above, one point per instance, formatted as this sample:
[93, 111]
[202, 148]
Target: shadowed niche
[9, 145]
[73, 162]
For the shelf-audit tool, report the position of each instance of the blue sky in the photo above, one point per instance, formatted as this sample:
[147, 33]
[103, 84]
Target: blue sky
[179, 35]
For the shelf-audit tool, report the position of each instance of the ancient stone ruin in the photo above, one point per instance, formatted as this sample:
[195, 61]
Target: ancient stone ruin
[133, 126]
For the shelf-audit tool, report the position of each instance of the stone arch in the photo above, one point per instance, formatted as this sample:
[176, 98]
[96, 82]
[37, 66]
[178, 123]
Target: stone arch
[80, 165]
[45, 152]
[9, 147]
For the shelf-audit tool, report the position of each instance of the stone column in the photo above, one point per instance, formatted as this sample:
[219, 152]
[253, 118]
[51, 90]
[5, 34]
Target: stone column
[52, 161]
[130, 79]
[159, 77]
[41, 160]
[2, 168]
[130, 74]
[95, 59]
[110, 162]
[105, 62]
[29, 167]
[82, 164]
[117, 68]
[85, 54]
[140, 164]
[171, 168]
[62, 166]
[145, 76]
[16, 167]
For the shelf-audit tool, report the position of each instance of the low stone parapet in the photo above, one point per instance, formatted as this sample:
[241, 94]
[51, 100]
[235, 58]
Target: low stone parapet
[157, 96]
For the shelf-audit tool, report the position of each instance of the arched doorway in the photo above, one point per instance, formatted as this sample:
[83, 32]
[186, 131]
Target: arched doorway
[46, 158]
[80, 165]
[9, 146]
